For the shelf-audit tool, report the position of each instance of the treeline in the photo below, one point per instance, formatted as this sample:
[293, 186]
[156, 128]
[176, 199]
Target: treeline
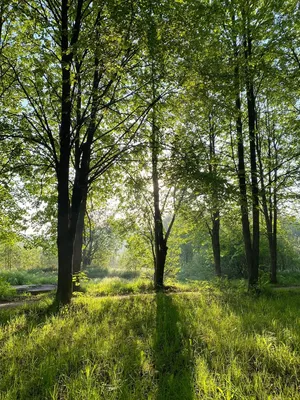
[168, 108]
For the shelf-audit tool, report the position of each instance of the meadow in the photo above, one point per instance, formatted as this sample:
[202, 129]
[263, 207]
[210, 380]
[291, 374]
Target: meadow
[123, 341]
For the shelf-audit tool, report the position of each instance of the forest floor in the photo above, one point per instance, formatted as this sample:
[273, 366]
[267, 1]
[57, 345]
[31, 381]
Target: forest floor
[114, 289]
[116, 343]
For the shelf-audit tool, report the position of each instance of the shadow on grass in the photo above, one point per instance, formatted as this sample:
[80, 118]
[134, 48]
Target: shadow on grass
[172, 358]
[34, 312]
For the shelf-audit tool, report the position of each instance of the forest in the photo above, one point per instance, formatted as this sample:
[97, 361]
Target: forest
[149, 199]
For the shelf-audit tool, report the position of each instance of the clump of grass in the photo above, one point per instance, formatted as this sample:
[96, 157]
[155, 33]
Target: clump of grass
[118, 286]
[213, 343]
[95, 272]
[6, 291]
[289, 278]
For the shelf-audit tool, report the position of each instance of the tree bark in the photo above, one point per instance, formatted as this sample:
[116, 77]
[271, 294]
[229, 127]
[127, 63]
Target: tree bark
[65, 222]
[64, 240]
[78, 244]
[242, 171]
[215, 230]
[253, 275]
[269, 209]
[160, 243]
[273, 272]
[215, 238]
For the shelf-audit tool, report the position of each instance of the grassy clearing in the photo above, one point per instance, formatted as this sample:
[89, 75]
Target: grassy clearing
[121, 286]
[210, 344]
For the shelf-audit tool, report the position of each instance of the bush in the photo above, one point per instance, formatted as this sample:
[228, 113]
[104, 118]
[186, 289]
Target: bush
[28, 277]
[6, 290]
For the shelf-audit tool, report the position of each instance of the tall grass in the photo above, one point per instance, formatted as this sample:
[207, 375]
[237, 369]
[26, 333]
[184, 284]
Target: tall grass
[29, 276]
[210, 344]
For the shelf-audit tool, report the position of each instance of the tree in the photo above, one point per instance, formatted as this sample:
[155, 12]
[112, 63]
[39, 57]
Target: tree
[70, 109]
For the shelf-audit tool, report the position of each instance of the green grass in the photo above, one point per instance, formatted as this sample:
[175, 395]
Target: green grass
[6, 291]
[215, 343]
[287, 278]
[49, 276]
[29, 277]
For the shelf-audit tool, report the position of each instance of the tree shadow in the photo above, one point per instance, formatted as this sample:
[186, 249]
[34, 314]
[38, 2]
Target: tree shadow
[34, 312]
[172, 353]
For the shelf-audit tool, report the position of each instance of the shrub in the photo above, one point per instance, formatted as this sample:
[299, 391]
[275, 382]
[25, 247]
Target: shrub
[6, 290]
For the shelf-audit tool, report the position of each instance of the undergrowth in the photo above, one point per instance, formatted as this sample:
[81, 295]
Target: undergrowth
[29, 277]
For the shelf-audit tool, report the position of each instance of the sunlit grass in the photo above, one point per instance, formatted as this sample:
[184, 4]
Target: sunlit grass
[217, 343]
[29, 276]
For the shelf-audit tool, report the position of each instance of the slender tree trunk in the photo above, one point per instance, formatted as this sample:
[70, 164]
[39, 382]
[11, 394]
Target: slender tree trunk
[160, 244]
[215, 230]
[88, 241]
[253, 276]
[215, 238]
[269, 211]
[273, 274]
[78, 244]
[242, 175]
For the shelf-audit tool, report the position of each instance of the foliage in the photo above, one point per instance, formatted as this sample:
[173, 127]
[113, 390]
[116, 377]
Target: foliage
[29, 277]
[6, 290]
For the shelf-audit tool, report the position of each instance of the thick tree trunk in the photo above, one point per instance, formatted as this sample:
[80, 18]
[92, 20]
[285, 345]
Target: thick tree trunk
[65, 221]
[64, 240]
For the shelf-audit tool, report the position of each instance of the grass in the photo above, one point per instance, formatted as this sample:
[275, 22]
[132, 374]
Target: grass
[49, 276]
[29, 277]
[121, 286]
[6, 291]
[289, 278]
[214, 343]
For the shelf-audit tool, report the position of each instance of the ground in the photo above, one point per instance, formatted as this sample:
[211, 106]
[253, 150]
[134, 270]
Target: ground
[212, 343]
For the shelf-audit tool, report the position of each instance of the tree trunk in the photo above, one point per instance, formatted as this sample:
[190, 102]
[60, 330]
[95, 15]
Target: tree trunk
[253, 276]
[77, 254]
[160, 244]
[242, 173]
[64, 240]
[215, 238]
[273, 250]
[273, 274]
[215, 230]
[65, 219]
[269, 211]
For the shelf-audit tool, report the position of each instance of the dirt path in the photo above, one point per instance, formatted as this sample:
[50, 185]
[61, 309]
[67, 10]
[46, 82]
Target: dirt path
[286, 287]
[34, 289]
[13, 304]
